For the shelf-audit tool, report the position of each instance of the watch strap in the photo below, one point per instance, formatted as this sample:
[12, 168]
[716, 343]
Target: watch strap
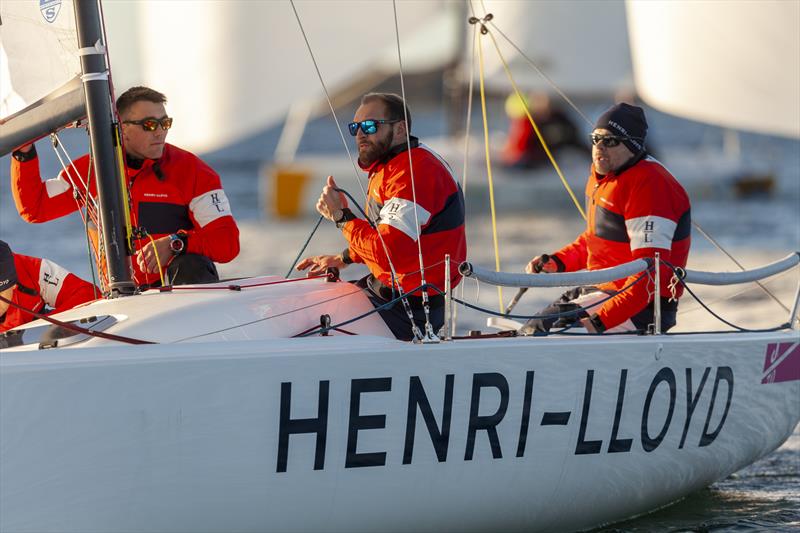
[597, 323]
[22, 157]
[346, 259]
[346, 217]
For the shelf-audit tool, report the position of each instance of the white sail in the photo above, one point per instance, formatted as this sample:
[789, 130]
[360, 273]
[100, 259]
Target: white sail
[581, 46]
[40, 88]
[231, 69]
[39, 51]
[734, 64]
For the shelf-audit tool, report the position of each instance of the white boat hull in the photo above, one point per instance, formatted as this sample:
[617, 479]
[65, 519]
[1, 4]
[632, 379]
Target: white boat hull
[188, 437]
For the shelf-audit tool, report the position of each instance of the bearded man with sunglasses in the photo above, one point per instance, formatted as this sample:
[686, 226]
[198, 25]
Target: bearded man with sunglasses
[414, 203]
[635, 208]
[179, 211]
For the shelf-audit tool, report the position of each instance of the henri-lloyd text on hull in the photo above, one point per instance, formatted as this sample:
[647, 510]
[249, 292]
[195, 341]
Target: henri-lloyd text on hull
[650, 414]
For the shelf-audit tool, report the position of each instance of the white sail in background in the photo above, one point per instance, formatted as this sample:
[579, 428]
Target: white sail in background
[231, 69]
[581, 46]
[733, 64]
[39, 51]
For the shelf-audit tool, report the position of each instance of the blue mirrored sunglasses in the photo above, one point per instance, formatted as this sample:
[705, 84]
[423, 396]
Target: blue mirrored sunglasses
[368, 126]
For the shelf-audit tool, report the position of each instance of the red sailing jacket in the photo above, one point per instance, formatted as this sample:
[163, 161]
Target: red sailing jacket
[41, 282]
[439, 210]
[633, 215]
[177, 192]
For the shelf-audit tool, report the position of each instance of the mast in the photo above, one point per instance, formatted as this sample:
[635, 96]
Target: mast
[102, 128]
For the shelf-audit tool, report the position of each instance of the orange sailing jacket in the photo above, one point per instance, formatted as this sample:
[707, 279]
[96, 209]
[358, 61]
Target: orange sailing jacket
[633, 215]
[41, 282]
[391, 207]
[177, 192]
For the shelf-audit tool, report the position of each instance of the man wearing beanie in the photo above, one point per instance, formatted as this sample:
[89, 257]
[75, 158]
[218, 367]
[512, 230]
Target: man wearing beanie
[32, 284]
[635, 209]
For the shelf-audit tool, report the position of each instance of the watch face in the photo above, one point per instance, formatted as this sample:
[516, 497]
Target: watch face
[176, 244]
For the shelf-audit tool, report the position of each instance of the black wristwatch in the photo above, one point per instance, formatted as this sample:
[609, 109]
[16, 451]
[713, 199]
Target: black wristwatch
[177, 243]
[344, 218]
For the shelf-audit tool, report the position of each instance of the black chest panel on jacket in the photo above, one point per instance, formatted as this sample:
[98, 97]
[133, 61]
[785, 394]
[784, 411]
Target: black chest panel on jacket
[161, 217]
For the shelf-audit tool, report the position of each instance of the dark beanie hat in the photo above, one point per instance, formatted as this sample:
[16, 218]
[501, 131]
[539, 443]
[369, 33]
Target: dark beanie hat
[625, 120]
[8, 273]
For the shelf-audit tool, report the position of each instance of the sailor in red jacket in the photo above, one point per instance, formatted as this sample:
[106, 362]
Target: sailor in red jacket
[34, 283]
[175, 197]
[635, 208]
[389, 242]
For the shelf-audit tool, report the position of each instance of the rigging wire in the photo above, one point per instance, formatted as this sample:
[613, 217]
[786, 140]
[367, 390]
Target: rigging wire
[543, 75]
[536, 128]
[704, 306]
[392, 269]
[72, 327]
[467, 130]
[738, 264]
[344, 141]
[730, 296]
[489, 168]
[429, 334]
[555, 87]
[264, 319]
[79, 199]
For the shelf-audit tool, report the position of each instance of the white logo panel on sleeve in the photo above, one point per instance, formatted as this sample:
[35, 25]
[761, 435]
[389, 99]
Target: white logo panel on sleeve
[399, 213]
[210, 206]
[51, 279]
[650, 232]
[56, 186]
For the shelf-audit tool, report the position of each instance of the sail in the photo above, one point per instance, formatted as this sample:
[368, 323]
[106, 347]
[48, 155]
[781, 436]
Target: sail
[733, 64]
[232, 69]
[581, 46]
[40, 87]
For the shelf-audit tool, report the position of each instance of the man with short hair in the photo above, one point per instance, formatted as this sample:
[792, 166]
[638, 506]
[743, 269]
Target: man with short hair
[33, 284]
[635, 208]
[403, 216]
[176, 199]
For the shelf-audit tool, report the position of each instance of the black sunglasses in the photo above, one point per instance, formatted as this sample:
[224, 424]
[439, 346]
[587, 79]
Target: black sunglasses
[152, 123]
[368, 126]
[609, 141]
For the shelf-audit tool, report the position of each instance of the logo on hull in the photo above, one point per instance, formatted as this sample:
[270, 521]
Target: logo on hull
[782, 362]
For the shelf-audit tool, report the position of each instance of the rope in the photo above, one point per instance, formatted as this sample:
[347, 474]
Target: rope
[702, 304]
[489, 166]
[561, 314]
[158, 260]
[727, 297]
[543, 75]
[303, 249]
[536, 128]
[77, 329]
[589, 122]
[387, 305]
[237, 288]
[264, 319]
[341, 136]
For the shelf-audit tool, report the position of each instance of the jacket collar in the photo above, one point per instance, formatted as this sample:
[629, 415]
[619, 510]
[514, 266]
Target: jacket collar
[393, 152]
[630, 163]
[136, 166]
